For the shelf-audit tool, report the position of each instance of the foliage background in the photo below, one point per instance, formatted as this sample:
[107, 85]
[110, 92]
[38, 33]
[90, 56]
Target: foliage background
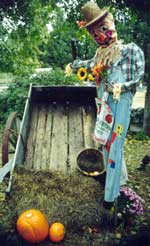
[14, 98]
[25, 42]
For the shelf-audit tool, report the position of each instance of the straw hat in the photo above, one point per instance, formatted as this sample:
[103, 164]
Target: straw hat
[93, 13]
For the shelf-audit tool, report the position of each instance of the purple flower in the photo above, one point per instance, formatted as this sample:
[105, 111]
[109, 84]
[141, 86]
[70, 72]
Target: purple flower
[131, 201]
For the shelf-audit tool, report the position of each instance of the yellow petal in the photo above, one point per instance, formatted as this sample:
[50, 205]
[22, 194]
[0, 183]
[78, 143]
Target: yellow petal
[68, 70]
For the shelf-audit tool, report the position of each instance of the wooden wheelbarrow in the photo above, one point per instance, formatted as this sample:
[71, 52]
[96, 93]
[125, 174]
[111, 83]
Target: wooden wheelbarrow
[58, 122]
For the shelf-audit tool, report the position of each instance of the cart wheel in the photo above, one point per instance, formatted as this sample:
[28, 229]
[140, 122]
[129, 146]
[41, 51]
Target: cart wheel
[10, 136]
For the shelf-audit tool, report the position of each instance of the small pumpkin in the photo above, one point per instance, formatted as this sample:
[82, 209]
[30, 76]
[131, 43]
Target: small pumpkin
[33, 226]
[56, 232]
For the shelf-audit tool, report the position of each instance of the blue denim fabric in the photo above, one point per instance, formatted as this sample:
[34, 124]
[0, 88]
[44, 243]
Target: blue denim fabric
[113, 159]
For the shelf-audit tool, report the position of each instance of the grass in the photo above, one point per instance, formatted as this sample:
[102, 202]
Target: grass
[75, 200]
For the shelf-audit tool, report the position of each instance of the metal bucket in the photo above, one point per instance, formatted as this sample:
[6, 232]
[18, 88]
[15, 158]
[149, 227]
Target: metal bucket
[90, 162]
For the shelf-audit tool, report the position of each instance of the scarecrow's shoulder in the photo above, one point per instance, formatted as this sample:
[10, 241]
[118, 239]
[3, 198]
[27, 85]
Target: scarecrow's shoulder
[133, 47]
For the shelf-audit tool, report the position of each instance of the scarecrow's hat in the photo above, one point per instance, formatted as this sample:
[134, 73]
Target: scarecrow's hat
[93, 13]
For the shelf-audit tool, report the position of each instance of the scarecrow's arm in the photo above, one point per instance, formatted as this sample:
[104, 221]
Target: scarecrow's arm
[137, 60]
[85, 64]
[75, 65]
[134, 70]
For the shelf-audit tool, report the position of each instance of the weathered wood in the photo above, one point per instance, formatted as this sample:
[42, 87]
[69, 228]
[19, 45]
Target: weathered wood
[76, 142]
[88, 125]
[61, 125]
[5, 169]
[32, 137]
[47, 141]
[57, 133]
[19, 156]
[59, 148]
[40, 137]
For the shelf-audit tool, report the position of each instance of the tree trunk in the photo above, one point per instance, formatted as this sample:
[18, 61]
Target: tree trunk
[74, 50]
[146, 123]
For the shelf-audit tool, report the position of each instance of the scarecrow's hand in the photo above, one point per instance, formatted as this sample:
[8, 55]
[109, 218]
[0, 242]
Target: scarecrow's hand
[117, 91]
[68, 70]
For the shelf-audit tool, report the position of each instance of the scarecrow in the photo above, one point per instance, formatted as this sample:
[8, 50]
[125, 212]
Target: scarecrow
[117, 68]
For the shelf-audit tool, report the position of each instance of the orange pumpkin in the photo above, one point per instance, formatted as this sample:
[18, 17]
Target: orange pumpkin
[33, 226]
[56, 232]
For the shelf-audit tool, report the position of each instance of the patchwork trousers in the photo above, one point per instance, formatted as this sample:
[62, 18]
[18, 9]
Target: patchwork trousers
[116, 172]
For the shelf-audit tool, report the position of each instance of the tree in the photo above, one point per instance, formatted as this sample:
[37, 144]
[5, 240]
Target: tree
[58, 50]
[24, 25]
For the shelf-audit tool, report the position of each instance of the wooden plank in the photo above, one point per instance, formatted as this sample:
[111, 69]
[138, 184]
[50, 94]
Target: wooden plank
[47, 139]
[32, 137]
[76, 141]
[88, 113]
[19, 156]
[59, 147]
[5, 169]
[39, 137]
[20, 147]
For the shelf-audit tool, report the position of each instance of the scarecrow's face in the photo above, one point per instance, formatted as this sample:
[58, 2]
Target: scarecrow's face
[103, 32]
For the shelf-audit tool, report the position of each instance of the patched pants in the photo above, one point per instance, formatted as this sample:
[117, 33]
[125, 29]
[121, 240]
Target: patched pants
[113, 150]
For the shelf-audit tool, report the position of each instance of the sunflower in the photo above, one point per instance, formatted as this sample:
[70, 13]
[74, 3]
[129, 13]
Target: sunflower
[91, 77]
[68, 70]
[82, 73]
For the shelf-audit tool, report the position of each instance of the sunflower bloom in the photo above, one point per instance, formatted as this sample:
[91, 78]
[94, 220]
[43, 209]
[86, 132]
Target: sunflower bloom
[82, 73]
[90, 77]
[68, 70]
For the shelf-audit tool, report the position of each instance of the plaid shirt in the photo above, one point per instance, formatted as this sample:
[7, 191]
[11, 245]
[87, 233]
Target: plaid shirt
[131, 61]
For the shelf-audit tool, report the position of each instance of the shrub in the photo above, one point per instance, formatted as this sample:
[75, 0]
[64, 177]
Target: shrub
[13, 99]
[141, 136]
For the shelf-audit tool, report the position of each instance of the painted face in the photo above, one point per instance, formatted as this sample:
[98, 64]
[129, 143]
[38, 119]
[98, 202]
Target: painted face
[103, 32]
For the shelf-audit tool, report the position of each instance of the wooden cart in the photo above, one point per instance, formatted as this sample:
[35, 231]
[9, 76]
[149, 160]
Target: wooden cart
[57, 123]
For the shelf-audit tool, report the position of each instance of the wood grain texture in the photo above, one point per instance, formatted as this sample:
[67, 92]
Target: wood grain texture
[76, 141]
[32, 137]
[39, 138]
[47, 138]
[59, 148]
[58, 132]
[88, 125]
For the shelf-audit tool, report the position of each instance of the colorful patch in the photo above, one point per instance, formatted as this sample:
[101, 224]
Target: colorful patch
[112, 163]
[108, 118]
[119, 130]
[113, 137]
[107, 146]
